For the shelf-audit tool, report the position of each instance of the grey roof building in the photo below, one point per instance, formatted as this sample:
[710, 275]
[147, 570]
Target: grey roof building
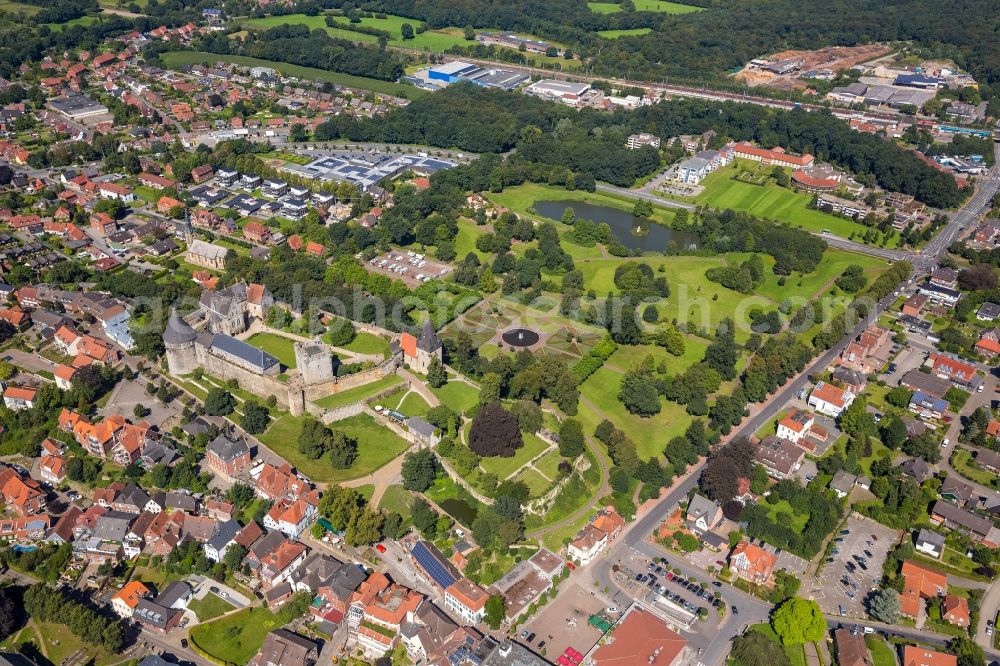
[916, 468]
[113, 525]
[422, 428]
[175, 595]
[283, 648]
[929, 542]
[228, 448]
[225, 533]
[178, 331]
[257, 358]
[154, 616]
[428, 340]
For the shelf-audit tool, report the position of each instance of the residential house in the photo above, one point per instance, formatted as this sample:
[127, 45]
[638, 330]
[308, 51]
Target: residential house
[851, 648]
[955, 370]
[927, 406]
[21, 493]
[284, 648]
[843, 483]
[225, 536]
[988, 343]
[779, 457]
[18, 398]
[829, 399]
[955, 610]
[228, 454]
[988, 459]
[290, 516]
[988, 312]
[703, 515]
[914, 305]
[921, 656]
[979, 528]
[156, 618]
[124, 601]
[594, 536]
[278, 566]
[929, 543]
[467, 600]
[919, 584]
[753, 564]
[958, 491]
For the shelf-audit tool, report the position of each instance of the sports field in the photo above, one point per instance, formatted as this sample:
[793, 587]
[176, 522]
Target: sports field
[176, 59]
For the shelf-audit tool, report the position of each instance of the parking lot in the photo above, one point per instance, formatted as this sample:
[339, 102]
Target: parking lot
[856, 566]
[411, 267]
[563, 622]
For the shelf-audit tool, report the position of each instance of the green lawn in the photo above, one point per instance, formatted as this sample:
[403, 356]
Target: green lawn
[628, 356]
[278, 346]
[798, 521]
[397, 498]
[11, 6]
[377, 445]
[413, 405]
[773, 202]
[83, 20]
[882, 654]
[662, 6]
[549, 464]
[615, 34]
[602, 387]
[458, 395]
[965, 465]
[430, 40]
[235, 638]
[210, 606]
[504, 467]
[358, 392]
[177, 59]
[535, 482]
[366, 343]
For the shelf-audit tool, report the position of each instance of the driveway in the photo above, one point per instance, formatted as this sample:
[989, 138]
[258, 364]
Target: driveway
[204, 586]
[29, 362]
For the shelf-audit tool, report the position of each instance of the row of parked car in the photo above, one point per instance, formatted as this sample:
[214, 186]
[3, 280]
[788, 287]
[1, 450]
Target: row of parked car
[651, 580]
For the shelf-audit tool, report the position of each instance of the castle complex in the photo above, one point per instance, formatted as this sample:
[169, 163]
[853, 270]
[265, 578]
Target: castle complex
[215, 350]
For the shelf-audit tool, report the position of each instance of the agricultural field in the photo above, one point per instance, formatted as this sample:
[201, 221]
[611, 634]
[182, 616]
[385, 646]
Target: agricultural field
[176, 59]
[772, 202]
[377, 445]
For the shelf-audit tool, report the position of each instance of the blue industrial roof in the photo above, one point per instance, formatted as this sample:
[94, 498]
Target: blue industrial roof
[433, 564]
[246, 352]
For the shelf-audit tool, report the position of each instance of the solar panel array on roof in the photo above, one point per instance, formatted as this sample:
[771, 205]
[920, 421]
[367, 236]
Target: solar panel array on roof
[432, 564]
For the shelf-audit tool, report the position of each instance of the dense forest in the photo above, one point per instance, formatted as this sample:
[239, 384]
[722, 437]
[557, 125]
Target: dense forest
[592, 141]
[704, 45]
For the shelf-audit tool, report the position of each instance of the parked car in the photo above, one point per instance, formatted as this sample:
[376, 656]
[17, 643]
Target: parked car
[380, 548]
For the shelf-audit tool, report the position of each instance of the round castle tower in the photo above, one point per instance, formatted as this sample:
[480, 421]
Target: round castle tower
[179, 340]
